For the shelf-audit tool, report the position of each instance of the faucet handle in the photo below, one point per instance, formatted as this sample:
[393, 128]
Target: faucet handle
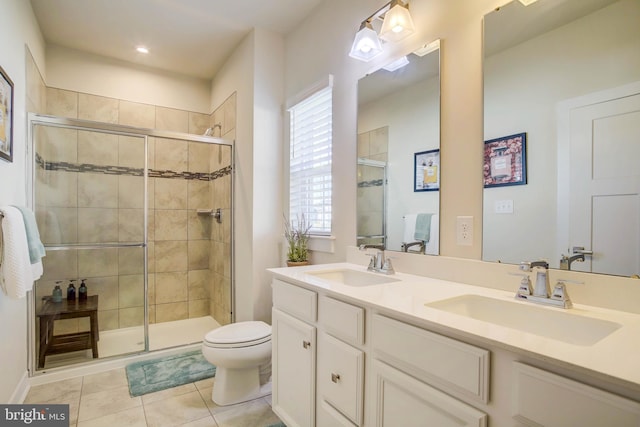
[525, 286]
[560, 294]
[372, 261]
[387, 267]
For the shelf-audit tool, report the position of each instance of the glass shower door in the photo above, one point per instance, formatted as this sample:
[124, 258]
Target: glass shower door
[90, 204]
[371, 202]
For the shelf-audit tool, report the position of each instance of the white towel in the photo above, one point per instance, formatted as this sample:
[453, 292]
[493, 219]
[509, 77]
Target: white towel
[409, 228]
[16, 272]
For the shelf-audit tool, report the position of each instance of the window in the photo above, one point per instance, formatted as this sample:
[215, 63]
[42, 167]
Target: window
[310, 160]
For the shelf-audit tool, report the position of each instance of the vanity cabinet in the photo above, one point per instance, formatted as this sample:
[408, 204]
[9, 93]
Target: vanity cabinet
[340, 364]
[401, 400]
[324, 385]
[344, 361]
[411, 369]
[294, 354]
[541, 398]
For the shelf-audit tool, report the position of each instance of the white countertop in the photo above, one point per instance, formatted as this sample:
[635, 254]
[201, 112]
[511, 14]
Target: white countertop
[616, 356]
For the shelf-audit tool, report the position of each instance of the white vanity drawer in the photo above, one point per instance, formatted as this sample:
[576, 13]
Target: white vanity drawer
[451, 365]
[299, 302]
[543, 398]
[342, 320]
[340, 377]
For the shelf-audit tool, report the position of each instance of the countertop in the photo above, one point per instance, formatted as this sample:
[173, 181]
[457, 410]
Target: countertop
[615, 357]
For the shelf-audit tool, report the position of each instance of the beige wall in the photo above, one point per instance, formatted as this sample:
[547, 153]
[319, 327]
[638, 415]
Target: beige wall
[312, 52]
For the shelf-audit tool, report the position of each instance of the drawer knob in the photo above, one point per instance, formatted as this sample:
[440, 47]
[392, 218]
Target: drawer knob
[306, 344]
[335, 377]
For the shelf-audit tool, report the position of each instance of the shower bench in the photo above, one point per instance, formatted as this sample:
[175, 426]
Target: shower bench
[56, 344]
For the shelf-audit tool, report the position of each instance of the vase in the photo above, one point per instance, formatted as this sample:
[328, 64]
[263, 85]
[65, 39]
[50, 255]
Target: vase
[297, 263]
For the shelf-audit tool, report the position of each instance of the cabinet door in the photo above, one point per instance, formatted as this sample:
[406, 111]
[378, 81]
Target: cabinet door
[327, 416]
[573, 403]
[294, 366]
[404, 401]
[341, 376]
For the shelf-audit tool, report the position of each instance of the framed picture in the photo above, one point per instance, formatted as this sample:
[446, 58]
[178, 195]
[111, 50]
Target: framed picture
[426, 171]
[6, 116]
[505, 161]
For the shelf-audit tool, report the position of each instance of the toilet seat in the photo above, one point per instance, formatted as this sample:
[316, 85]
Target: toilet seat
[237, 335]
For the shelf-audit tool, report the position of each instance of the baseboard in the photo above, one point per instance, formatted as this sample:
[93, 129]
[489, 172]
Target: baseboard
[20, 393]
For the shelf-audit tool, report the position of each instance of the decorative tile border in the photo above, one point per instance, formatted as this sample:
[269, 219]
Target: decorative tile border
[372, 183]
[122, 170]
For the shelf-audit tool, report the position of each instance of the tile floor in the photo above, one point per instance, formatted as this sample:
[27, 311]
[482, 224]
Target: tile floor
[103, 400]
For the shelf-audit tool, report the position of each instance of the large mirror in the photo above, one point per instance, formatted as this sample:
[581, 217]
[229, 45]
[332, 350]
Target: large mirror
[399, 154]
[562, 103]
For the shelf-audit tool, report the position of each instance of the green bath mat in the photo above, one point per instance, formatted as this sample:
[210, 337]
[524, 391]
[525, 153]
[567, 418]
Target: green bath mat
[148, 376]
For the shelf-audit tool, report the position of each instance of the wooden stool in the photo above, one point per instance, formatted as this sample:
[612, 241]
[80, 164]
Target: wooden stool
[56, 344]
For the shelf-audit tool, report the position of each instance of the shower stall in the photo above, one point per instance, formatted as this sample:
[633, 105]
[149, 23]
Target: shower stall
[141, 220]
[371, 202]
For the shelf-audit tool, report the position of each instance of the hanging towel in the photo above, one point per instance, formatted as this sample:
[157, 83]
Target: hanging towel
[16, 276]
[423, 227]
[36, 248]
[409, 228]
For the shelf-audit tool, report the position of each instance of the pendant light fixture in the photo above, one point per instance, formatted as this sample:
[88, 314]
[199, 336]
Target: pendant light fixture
[366, 45]
[397, 24]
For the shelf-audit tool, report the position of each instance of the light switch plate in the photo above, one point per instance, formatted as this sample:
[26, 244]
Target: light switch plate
[503, 206]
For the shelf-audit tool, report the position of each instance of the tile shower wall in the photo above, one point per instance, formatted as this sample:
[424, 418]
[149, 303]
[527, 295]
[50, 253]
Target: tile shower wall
[189, 254]
[372, 145]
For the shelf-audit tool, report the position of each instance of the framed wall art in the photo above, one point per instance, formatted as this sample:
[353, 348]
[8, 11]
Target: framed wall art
[505, 161]
[6, 116]
[426, 171]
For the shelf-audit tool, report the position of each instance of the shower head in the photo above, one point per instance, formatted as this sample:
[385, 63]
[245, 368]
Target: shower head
[209, 131]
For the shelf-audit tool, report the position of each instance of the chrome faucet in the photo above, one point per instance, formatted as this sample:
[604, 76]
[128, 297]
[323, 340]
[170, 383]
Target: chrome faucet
[541, 287]
[378, 262]
[566, 261]
[541, 294]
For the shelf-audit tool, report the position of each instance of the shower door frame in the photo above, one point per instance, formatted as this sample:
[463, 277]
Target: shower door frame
[380, 165]
[34, 120]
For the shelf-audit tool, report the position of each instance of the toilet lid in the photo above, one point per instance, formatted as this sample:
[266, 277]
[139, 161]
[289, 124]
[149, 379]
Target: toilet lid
[241, 332]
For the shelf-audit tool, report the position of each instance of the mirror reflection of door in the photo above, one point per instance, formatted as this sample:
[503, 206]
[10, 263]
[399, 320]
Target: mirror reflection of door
[535, 58]
[603, 213]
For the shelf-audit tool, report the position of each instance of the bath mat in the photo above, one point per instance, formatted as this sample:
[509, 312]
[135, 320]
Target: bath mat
[148, 376]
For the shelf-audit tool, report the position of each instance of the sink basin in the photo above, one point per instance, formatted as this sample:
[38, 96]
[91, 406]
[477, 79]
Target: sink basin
[546, 322]
[352, 277]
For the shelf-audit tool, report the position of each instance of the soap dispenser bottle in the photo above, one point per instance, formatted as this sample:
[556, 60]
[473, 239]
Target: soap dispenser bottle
[71, 291]
[56, 295]
[82, 291]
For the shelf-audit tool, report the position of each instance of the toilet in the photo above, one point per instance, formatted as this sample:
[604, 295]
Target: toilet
[241, 353]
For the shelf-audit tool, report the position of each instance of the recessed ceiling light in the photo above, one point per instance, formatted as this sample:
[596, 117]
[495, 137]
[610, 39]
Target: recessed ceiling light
[142, 49]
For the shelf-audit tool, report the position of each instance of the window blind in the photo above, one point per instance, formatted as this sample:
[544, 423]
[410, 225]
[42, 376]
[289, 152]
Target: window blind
[310, 160]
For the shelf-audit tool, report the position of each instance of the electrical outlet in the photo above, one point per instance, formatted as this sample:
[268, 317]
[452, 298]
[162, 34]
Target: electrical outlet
[464, 230]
